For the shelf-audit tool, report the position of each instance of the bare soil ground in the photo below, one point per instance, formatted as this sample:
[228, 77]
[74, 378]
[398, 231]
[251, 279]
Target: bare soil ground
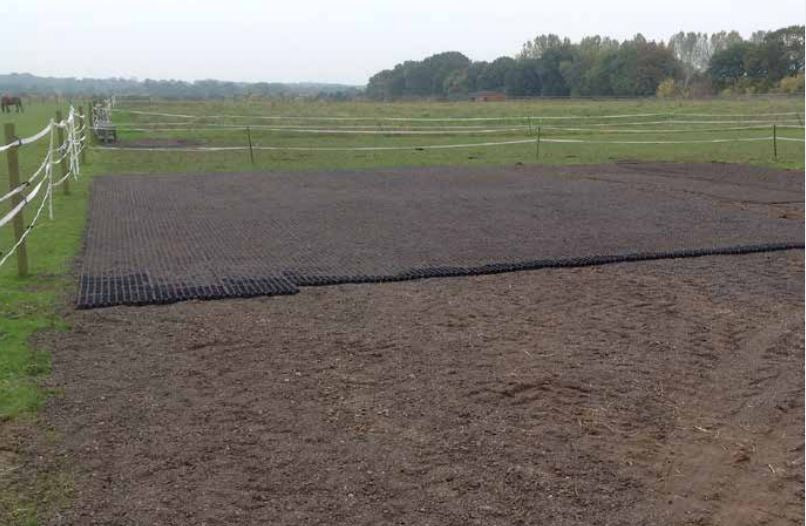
[666, 392]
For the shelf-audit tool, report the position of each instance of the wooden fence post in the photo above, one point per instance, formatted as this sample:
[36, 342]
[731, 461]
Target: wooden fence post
[14, 182]
[63, 162]
[774, 141]
[83, 157]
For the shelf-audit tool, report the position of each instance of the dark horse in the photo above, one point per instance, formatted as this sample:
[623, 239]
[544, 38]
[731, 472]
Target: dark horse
[8, 101]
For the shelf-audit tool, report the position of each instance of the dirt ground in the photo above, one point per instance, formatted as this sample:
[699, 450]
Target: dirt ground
[666, 392]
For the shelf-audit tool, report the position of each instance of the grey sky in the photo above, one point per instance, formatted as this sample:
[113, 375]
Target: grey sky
[328, 41]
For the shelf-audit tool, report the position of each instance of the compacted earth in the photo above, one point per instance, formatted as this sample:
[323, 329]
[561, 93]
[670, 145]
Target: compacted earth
[665, 392]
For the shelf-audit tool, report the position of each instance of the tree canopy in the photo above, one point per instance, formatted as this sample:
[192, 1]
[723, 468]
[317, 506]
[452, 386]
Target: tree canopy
[550, 65]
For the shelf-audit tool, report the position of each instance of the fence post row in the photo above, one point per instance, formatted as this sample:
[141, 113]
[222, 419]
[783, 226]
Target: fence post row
[14, 182]
[70, 151]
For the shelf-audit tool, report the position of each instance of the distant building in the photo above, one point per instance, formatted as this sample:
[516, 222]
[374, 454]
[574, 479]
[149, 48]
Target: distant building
[487, 96]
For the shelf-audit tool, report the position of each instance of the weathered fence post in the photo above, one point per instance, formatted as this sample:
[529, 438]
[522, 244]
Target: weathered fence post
[251, 154]
[774, 141]
[63, 162]
[14, 182]
[83, 156]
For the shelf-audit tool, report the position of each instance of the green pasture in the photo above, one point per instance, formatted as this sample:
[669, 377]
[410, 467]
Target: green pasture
[375, 125]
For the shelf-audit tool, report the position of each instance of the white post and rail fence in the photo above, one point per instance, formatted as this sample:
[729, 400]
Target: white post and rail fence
[67, 141]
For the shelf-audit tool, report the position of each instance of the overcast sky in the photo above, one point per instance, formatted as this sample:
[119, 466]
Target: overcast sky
[342, 41]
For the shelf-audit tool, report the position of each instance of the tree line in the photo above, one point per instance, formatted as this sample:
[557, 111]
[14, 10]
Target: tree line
[25, 83]
[689, 64]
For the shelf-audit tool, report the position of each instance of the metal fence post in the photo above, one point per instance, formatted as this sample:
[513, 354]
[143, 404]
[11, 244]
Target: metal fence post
[14, 182]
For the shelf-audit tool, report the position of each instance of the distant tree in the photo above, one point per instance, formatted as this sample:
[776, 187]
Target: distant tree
[458, 83]
[523, 78]
[425, 78]
[757, 37]
[551, 66]
[789, 41]
[728, 66]
[543, 43]
[640, 66]
[494, 75]
[693, 50]
[440, 66]
[583, 75]
[723, 40]
[760, 63]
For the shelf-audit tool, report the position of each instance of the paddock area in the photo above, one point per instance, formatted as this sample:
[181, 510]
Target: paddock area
[534, 312]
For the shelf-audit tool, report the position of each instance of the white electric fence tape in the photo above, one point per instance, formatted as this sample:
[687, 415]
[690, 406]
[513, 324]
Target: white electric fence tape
[25, 200]
[27, 229]
[467, 131]
[431, 146]
[453, 119]
[702, 141]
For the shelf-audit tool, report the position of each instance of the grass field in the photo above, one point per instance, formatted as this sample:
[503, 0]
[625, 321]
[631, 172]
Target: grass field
[373, 125]
[30, 304]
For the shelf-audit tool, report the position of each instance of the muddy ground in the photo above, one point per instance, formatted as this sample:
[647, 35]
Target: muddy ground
[666, 392]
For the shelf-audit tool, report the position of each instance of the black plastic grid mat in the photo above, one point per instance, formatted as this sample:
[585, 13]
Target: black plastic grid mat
[161, 239]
